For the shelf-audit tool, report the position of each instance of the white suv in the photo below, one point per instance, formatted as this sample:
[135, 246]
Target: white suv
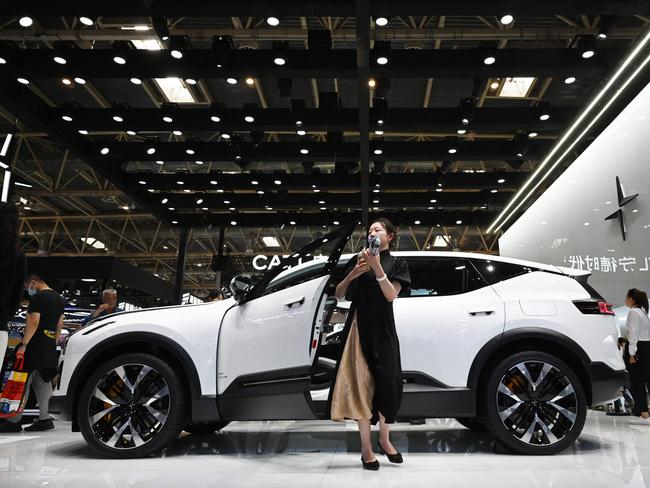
[518, 347]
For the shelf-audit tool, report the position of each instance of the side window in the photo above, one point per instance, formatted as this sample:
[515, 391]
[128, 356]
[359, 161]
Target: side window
[495, 271]
[442, 276]
[295, 278]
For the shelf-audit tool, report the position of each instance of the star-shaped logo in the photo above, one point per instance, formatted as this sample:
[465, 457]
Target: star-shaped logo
[622, 201]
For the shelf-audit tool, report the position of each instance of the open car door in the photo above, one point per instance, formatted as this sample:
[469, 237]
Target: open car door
[267, 343]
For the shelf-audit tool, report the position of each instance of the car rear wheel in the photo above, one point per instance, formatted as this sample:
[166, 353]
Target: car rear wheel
[132, 406]
[534, 403]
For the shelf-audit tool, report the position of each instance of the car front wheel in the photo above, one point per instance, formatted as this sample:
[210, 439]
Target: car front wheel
[534, 403]
[132, 406]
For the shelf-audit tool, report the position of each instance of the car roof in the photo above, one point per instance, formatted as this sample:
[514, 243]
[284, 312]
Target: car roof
[454, 254]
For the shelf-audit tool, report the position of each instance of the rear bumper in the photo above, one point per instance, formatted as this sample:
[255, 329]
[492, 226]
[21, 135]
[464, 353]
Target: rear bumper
[606, 383]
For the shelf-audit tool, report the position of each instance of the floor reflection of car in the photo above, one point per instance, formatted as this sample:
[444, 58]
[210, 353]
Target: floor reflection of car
[516, 347]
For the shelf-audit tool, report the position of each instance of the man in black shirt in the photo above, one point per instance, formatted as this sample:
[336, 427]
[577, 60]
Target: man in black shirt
[42, 330]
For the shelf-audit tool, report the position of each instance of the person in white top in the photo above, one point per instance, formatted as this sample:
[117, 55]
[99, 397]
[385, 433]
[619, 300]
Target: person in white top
[638, 335]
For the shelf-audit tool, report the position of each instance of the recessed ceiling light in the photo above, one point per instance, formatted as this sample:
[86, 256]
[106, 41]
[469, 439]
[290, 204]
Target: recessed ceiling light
[461, 131]
[67, 118]
[199, 162]
[66, 81]
[164, 200]
[83, 132]
[136, 81]
[544, 117]
[417, 222]
[231, 80]
[381, 21]
[86, 21]
[104, 150]
[458, 222]
[176, 54]
[225, 135]
[119, 60]
[3, 61]
[277, 182]
[59, 60]
[452, 150]
[25, 21]
[433, 200]
[190, 81]
[494, 85]
[130, 132]
[174, 221]
[292, 222]
[501, 180]
[382, 60]
[304, 151]
[279, 60]
[493, 191]
[177, 132]
[379, 132]
[569, 80]
[160, 162]
[151, 150]
[589, 53]
[189, 151]
[532, 134]
[250, 81]
[249, 119]
[24, 81]
[300, 132]
[168, 119]
[117, 118]
[255, 182]
[378, 151]
[80, 81]
[215, 118]
[227, 202]
[233, 222]
[142, 182]
[489, 60]
[506, 19]
[180, 182]
[273, 21]
[372, 83]
[213, 182]
[260, 192]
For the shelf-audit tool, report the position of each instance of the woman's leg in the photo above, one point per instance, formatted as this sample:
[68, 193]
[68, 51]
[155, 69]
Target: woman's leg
[366, 445]
[384, 436]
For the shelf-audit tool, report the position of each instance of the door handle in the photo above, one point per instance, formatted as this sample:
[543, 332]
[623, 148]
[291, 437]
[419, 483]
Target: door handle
[475, 313]
[294, 301]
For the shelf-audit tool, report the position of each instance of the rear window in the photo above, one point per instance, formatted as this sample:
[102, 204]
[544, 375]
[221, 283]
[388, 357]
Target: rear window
[495, 271]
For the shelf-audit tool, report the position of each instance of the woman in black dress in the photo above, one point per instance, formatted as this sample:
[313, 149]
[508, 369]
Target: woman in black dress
[368, 385]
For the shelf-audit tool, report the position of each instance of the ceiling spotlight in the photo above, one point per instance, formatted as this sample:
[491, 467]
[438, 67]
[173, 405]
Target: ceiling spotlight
[489, 60]
[225, 135]
[25, 21]
[189, 151]
[104, 150]
[467, 110]
[199, 201]
[130, 132]
[606, 23]
[378, 151]
[249, 118]
[190, 81]
[458, 222]
[587, 47]
[417, 222]
[380, 51]
[255, 182]
[167, 119]
[177, 44]
[250, 81]
[381, 21]
[292, 222]
[372, 83]
[180, 182]
[164, 200]
[543, 111]
[87, 21]
[452, 150]
[59, 60]
[379, 132]
[494, 191]
[273, 21]
[117, 118]
[215, 118]
[279, 60]
[136, 81]
[281, 52]
[142, 182]
[213, 182]
[83, 132]
[199, 162]
[382, 60]
[176, 54]
[233, 222]
[151, 150]
[119, 60]
[277, 182]
[544, 116]
[304, 150]
[24, 81]
[569, 80]
[231, 81]
[506, 19]
[80, 81]
[501, 180]
[174, 221]
[532, 134]
[67, 118]
[494, 85]
[66, 81]
[461, 131]
[177, 132]
[160, 162]
[300, 132]
[3, 61]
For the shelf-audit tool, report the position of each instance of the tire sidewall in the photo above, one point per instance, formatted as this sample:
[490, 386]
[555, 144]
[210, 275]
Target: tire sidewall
[494, 423]
[177, 408]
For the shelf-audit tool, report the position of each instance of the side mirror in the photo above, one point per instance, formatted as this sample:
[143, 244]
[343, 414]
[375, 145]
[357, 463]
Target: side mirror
[240, 285]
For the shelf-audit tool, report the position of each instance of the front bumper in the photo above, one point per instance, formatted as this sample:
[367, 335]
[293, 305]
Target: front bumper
[606, 383]
[61, 406]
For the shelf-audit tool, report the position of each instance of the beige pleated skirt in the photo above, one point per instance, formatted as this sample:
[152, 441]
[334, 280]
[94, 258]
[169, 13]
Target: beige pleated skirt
[354, 387]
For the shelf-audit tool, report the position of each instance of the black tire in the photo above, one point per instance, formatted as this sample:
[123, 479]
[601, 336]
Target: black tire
[151, 405]
[472, 423]
[205, 427]
[542, 413]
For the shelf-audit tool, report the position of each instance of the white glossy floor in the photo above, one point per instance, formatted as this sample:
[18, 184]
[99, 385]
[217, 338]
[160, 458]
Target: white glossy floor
[612, 452]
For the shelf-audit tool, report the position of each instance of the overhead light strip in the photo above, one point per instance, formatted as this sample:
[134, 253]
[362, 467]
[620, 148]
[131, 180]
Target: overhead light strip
[5, 187]
[503, 217]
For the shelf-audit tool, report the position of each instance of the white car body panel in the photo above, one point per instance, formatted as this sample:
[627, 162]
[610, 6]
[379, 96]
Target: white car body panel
[265, 335]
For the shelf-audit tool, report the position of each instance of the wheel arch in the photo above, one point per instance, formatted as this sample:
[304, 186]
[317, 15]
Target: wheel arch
[527, 339]
[142, 342]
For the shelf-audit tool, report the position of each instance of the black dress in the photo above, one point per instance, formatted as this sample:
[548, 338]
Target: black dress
[376, 331]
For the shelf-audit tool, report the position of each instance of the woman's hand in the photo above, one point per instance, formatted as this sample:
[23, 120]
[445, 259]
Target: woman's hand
[632, 359]
[360, 268]
[373, 262]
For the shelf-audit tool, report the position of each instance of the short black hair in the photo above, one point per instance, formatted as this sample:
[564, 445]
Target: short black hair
[214, 294]
[34, 277]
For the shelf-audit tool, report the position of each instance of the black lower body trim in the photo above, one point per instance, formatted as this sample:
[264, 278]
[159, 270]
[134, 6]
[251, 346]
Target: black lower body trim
[606, 383]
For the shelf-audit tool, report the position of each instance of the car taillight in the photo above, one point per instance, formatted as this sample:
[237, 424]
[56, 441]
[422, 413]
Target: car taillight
[594, 307]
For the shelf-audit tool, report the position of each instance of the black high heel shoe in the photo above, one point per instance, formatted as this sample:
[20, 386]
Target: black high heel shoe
[393, 458]
[372, 465]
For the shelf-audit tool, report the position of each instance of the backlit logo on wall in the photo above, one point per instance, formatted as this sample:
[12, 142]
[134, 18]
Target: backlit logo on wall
[622, 201]
[608, 264]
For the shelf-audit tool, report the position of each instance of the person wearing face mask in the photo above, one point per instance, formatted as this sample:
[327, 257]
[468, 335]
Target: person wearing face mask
[38, 348]
[12, 271]
[368, 385]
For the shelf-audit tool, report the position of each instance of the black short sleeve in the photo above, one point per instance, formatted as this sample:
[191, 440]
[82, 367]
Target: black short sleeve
[36, 304]
[400, 272]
